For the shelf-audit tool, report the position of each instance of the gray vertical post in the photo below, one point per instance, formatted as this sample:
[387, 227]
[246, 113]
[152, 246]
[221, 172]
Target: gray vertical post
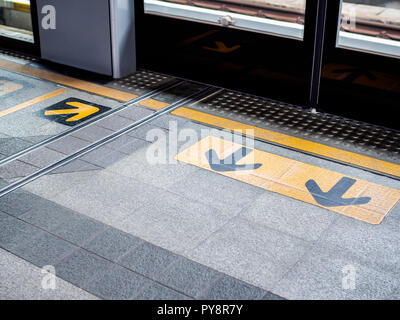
[93, 35]
[318, 54]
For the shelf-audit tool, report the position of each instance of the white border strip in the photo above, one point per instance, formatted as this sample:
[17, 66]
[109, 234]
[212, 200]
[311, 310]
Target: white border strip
[370, 44]
[241, 21]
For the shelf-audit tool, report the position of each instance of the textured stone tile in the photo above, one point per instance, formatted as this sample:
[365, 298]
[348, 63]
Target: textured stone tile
[79, 267]
[68, 144]
[172, 225]
[48, 216]
[114, 122]
[289, 215]
[217, 191]
[189, 277]
[92, 133]
[51, 185]
[19, 202]
[16, 169]
[135, 113]
[327, 273]
[375, 244]
[44, 250]
[117, 283]
[140, 167]
[112, 244]
[20, 280]
[42, 157]
[250, 252]
[148, 260]
[127, 144]
[103, 157]
[76, 166]
[228, 288]
[159, 292]
[105, 196]
[79, 229]
[146, 131]
[14, 232]
[271, 296]
[10, 146]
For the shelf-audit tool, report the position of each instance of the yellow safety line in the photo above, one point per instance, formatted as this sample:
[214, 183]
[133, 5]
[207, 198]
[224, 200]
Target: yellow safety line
[292, 142]
[68, 81]
[32, 102]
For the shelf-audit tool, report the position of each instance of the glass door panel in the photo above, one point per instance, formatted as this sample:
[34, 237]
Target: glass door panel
[16, 20]
[278, 17]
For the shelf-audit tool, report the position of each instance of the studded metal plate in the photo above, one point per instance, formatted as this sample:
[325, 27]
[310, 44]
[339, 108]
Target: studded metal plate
[9, 55]
[140, 82]
[325, 128]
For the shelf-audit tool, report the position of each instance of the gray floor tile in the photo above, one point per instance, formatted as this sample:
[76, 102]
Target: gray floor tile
[375, 244]
[81, 266]
[42, 157]
[271, 296]
[228, 288]
[10, 146]
[14, 232]
[23, 281]
[216, 190]
[327, 273]
[16, 169]
[140, 167]
[250, 252]
[76, 166]
[144, 132]
[148, 260]
[79, 229]
[68, 144]
[103, 157]
[159, 292]
[189, 277]
[92, 133]
[289, 215]
[44, 250]
[117, 283]
[114, 122]
[19, 202]
[112, 244]
[127, 144]
[135, 113]
[106, 196]
[48, 215]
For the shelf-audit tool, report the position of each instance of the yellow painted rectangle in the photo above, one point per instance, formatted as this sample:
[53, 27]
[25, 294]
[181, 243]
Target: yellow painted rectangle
[289, 177]
[68, 81]
[292, 142]
[32, 102]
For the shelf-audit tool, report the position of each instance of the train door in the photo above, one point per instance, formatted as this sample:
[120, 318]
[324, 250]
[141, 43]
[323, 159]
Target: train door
[18, 26]
[263, 47]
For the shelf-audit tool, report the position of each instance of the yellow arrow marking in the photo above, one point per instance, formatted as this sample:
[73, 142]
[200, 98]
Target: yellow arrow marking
[221, 47]
[8, 87]
[82, 111]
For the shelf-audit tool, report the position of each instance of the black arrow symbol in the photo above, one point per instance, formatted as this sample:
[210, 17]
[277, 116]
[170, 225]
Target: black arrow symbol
[229, 163]
[334, 197]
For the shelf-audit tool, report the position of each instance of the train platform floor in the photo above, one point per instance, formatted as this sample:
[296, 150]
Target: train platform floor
[153, 187]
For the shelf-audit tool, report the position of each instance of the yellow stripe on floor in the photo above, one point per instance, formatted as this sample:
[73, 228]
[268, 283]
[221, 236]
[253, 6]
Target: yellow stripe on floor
[68, 81]
[32, 102]
[292, 178]
[292, 142]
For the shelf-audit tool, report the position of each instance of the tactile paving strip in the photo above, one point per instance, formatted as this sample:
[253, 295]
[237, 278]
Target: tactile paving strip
[20, 56]
[293, 120]
[140, 81]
